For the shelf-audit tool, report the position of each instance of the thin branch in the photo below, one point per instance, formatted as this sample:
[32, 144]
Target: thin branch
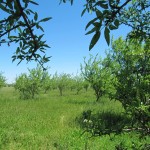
[117, 11]
[7, 31]
[27, 24]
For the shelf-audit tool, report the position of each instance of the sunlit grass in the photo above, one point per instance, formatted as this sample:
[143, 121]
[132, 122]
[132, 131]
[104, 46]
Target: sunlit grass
[49, 122]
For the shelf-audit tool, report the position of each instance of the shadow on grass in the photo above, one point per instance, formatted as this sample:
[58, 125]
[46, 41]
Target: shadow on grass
[102, 123]
[81, 102]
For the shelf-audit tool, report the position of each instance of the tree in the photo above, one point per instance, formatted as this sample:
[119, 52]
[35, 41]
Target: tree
[2, 80]
[86, 85]
[72, 83]
[62, 82]
[98, 76]
[30, 85]
[78, 83]
[22, 86]
[110, 14]
[46, 81]
[132, 72]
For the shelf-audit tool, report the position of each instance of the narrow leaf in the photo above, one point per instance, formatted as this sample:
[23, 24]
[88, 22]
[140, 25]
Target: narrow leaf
[45, 19]
[36, 16]
[94, 39]
[71, 2]
[107, 35]
[39, 38]
[101, 4]
[99, 13]
[116, 23]
[91, 31]
[91, 22]
[33, 2]
[19, 29]
[112, 27]
[84, 10]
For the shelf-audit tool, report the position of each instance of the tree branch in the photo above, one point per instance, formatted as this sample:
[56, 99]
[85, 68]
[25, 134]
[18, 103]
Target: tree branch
[27, 24]
[7, 31]
[116, 12]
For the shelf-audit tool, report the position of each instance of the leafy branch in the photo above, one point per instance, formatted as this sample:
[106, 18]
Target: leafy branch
[30, 44]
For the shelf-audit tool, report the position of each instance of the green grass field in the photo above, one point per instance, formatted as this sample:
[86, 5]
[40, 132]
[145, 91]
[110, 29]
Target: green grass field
[50, 123]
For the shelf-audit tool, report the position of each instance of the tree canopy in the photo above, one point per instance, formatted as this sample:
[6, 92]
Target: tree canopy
[20, 23]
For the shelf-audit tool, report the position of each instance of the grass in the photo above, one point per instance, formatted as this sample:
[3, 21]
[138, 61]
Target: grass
[49, 122]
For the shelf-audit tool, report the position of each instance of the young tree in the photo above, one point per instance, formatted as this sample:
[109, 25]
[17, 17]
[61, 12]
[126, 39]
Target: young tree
[78, 83]
[35, 80]
[132, 80]
[132, 73]
[86, 85]
[46, 81]
[96, 75]
[72, 83]
[21, 85]
[30, 85]
[2, 80]
[62, 82]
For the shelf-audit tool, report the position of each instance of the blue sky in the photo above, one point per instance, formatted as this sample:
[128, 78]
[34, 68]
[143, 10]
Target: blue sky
[65, 33]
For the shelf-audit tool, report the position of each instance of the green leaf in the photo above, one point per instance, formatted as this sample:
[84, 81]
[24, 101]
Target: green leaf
[45, 19]
[45, 45]
[3, 40]
[20, 44]
[91, 31]
[96, 24]
[19, 29]
[23, 52]
[107, 35]
[84, 10]
[4, 8]
[102, 4]
[18, 50]
[39, 38]
[91, 22]
[99, 14]
[116, 23]
[41, 28]
[33, 2]
[94, 39]
[13, 58]
[35, 16]
[112, 27]
[71, 2]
